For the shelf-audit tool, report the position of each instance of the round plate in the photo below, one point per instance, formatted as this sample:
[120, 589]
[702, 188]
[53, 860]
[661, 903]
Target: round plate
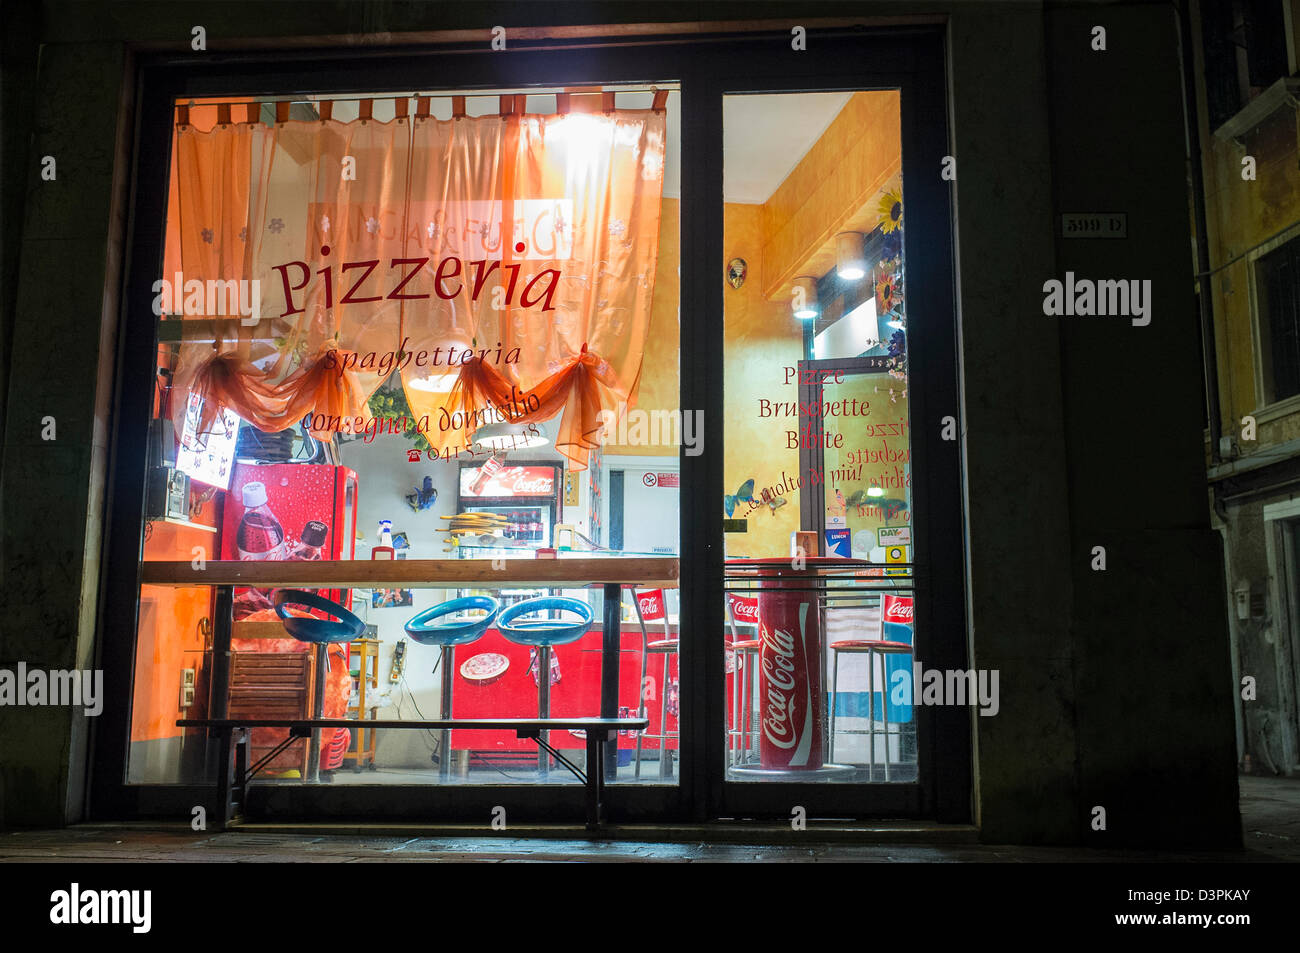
[484, 668]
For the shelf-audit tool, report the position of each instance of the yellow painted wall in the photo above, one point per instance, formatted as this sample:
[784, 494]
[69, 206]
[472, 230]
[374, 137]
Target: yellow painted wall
[1241, 214]
[762, 337]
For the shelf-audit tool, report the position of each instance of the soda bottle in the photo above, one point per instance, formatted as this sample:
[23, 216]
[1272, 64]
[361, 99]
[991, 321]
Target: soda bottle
[260, 535]
[313, 538]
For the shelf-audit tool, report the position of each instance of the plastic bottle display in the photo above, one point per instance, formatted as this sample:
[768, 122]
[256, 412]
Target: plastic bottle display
[314, 534]
[260, 535]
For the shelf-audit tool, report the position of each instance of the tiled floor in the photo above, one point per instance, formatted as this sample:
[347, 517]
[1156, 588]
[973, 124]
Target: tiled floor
[1270, 811]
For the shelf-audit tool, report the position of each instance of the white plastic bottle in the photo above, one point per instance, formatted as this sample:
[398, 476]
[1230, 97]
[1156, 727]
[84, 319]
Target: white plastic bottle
[260, 535]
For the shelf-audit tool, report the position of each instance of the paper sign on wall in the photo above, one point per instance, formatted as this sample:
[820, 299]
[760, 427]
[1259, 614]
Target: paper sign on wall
[838, 542]
[896, 554]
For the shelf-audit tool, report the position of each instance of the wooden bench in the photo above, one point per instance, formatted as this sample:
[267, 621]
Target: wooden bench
[234, 772]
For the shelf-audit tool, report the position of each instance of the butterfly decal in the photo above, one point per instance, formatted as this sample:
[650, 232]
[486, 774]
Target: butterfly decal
[744, 494]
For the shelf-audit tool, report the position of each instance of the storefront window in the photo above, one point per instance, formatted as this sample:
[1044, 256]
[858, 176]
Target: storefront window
[414, 328]
[817, 492]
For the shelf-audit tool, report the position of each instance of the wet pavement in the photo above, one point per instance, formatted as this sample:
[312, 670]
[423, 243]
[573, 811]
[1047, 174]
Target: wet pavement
[1270, 812]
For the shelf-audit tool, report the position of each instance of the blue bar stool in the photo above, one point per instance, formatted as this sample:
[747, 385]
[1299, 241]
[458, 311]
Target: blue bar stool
[433, 627]
[322, 633]
[542, 634]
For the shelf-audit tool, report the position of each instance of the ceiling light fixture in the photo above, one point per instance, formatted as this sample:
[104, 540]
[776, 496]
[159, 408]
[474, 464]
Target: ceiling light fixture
[803, 300]
[850, 256]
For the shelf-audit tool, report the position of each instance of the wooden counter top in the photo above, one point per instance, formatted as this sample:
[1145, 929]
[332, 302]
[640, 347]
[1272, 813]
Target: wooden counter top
[651, 572]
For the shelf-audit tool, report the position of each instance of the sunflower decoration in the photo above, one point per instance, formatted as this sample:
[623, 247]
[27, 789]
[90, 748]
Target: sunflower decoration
[889, 289]
[891, 212]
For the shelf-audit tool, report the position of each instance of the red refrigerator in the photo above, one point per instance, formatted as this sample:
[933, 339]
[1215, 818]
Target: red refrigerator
[314, 506]
[295, 511]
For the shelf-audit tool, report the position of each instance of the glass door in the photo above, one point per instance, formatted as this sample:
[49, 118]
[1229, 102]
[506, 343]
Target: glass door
[837, 330]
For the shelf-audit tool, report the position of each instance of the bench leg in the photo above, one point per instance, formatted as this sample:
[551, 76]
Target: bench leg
[232, 748]
[595, 777]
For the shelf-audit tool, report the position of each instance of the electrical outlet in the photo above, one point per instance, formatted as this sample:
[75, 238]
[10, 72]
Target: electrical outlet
[187, 687]
[399, 662]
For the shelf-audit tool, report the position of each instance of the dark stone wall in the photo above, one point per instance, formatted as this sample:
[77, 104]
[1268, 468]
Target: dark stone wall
[1150, 632]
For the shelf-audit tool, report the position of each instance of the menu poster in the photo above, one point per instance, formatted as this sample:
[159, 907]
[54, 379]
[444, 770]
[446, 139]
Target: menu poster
[209, 456]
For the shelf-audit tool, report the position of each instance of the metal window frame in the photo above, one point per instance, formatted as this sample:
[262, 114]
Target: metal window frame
[706, 65]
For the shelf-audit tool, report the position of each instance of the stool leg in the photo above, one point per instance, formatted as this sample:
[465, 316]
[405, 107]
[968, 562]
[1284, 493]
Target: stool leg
[752, 683]
[544, 704]
[742, 756]
[835, 694]
[871, 713]
[884, 707]
[663, 721]
[447, 664]
[735, 707]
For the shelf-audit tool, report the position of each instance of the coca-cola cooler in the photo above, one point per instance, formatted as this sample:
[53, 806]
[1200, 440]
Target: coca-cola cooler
[311, 508]
[527, 496]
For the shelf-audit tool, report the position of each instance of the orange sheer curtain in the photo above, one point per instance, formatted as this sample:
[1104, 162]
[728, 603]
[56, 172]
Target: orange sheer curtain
[585, 191]
[502, 265]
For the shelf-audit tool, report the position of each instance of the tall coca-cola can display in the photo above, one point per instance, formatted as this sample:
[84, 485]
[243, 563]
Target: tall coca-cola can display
[791, 704]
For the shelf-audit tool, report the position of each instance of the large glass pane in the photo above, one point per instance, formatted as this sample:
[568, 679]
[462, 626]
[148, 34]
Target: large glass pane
[452, 334]
[818, 454]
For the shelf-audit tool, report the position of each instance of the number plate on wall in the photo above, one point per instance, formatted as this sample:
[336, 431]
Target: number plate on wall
[1094, 225]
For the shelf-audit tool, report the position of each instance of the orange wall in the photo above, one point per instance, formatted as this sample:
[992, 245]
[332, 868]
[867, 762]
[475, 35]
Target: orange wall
[168, 638]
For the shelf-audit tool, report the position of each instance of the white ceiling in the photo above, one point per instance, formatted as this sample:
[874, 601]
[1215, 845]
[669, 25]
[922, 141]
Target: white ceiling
[765, 136]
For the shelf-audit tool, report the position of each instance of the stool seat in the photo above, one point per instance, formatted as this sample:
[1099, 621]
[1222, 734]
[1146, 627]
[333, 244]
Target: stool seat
[542, 634]
[311, 629]
[664, 645]
[870, 645]
[539, 632]
[748, 645]
[423, 628]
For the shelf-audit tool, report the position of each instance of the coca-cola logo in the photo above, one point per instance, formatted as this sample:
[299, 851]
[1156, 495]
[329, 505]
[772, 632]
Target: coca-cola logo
[779, 677]
[898, 613]
[651, 606]
[529, 487]
[745, 609]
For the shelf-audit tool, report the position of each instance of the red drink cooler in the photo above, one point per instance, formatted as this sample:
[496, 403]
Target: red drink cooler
[791, 701]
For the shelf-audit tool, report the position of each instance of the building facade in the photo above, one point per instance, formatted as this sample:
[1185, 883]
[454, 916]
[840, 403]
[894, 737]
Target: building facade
[1247, 86]
[1086, 572]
